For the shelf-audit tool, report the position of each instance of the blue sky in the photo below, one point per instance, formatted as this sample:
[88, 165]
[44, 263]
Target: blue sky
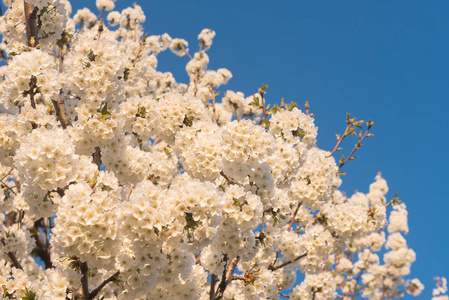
[384, 60]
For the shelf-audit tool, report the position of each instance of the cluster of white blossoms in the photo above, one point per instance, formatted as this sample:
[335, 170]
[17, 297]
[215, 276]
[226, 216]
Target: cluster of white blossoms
[118, 182]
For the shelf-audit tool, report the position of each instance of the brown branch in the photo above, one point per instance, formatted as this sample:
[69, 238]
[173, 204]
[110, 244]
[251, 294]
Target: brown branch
[214, 95]
[7, 174]
[356, 147]
[31, 23]
[59, 106]
[340, 139]
[85, 280]
[239, 277]
[14, 260]
[226, 277]
[292, 221]
[42, 250]
[274, 268]
[95, 292]
[8, 187]
[213, 281]
[97, 157]
[3, 56]
[11, 219]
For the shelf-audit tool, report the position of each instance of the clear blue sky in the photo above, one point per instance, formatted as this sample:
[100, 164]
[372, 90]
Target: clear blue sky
[387, 60]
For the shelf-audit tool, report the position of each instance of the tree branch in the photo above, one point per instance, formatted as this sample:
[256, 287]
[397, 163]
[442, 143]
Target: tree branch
[95, 292]
[59, 106]
[274, 268]
[42, 250]
[14, 260]
[31, 23]
[85, 280]
[213, 281]
[226, 277]
[97, 157]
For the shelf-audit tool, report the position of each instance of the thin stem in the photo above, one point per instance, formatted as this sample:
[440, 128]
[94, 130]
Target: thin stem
[356, 147]
[274, 268]
[340, 139]
[8, 187]
[307, 108]
[292, 221]
[101, 12]
[214, 95]
[263, 107]
[7, 174]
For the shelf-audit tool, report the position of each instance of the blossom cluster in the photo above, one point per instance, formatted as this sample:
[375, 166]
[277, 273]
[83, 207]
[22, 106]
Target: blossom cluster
[118, 182]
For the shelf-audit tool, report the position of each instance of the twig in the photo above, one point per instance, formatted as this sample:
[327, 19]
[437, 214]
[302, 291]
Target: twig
[226, 177]
[214, 95]
[307, 108]
[7, 174]
[3, 56]
[264, 109]
[14, 260]
[345, 134]
[274, 268]
[292, 221]
[142, 46]
[356, 147]
[294, 216]
[95, 292]
[8, 187]
[101, 12]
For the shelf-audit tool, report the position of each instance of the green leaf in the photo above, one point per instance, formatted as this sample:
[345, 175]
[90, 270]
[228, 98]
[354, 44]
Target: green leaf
[255, 102]
[126, 74]
[273, 110]
[29, 295]
[105, 114]
[291, 106]
[91, 55]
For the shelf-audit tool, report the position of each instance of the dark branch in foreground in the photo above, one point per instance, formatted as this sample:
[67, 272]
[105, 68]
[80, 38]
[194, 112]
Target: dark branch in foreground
[14, 260]
[226, 277]
[95, 292]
